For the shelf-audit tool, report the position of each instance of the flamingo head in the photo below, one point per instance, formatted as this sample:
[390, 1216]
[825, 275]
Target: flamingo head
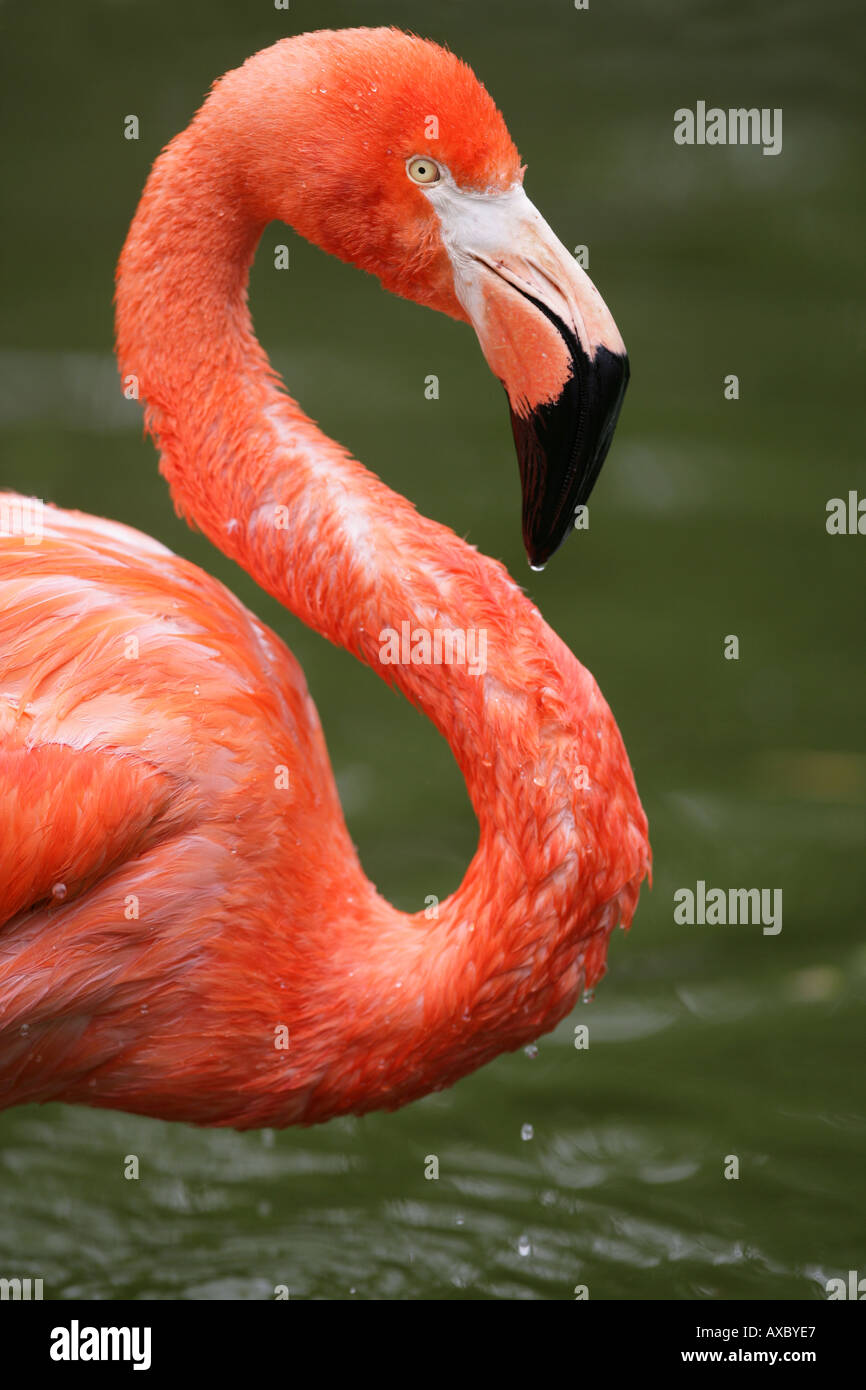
[386, 150]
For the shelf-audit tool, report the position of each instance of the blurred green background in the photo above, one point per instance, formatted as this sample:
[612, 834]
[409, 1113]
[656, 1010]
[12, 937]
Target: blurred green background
[708, 519]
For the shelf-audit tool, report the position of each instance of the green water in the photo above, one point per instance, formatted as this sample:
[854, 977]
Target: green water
[708, 520]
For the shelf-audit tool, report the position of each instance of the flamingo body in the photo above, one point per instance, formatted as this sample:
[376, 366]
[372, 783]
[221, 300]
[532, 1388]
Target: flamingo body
[185, 928]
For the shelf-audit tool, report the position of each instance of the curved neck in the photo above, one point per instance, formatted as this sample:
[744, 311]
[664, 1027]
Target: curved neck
[356, 562]
[317, 530]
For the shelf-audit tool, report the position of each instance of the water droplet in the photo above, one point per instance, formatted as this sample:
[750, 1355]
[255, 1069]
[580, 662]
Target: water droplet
[264, 1208]
[531, 1050]
[58, 892]
[523, 1246]
[526, 1132]
[537, 569]
[540, 781]
[588, 996]
[24, 1029]
[351, 1291]
[143, 1009]
[458, 1220]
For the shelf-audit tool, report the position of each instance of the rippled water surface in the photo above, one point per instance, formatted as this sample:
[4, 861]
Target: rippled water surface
[705, 1042]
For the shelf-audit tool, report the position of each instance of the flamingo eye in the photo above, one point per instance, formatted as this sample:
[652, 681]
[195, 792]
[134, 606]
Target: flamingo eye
[421, 170]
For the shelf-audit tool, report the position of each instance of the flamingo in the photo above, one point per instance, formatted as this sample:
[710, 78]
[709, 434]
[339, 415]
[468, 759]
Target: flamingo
[186, 931]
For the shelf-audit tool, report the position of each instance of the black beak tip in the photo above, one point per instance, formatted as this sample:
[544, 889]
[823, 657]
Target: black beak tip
[562, 445]
[537, 558]
[540, 549]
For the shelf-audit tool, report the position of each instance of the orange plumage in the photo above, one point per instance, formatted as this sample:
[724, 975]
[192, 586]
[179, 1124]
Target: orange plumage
[177, 884]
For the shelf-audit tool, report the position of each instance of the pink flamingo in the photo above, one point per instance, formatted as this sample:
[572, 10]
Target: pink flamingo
[185, 928]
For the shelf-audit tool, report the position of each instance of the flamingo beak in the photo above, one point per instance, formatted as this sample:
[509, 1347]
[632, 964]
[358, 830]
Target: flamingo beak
[550, 339]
